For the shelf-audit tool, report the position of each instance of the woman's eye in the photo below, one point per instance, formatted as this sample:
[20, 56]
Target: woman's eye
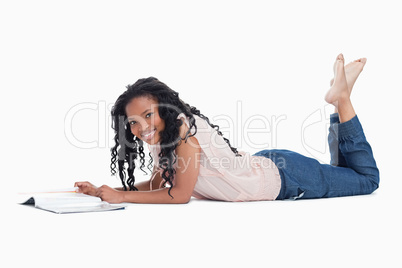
[132, 123]
[149, 115]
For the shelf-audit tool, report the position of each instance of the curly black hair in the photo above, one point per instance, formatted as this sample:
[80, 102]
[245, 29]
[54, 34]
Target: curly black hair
[127, 147]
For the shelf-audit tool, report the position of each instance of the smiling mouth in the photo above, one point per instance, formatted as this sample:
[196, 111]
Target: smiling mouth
[148, 135]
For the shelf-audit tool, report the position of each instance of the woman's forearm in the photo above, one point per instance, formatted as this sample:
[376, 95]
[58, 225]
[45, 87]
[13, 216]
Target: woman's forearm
[159, 196]
[141, 186]
[156, 181]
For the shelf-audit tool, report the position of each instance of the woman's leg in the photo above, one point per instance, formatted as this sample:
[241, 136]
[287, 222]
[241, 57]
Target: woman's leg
[352, 71]
[304, 177]
[354, 152]
[357, 172]
[337, 158]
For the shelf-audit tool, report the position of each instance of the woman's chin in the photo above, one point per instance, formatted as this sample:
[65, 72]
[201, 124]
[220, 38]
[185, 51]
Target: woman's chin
[152, 141]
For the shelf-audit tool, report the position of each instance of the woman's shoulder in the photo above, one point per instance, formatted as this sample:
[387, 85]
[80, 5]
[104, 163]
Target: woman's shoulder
[200, 123]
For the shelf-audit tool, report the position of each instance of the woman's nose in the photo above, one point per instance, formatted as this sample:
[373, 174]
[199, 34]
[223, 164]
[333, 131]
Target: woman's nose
[144, 126]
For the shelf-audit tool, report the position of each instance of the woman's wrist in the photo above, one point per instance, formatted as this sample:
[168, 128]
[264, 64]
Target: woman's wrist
[119, 188]
[123, 196]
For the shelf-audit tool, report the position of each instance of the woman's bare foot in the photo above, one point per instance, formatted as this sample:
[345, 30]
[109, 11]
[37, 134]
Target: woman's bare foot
[339, 89]
[352, 71]
[339, 93]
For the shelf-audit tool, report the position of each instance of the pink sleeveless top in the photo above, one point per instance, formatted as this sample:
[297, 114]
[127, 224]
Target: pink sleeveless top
[225, 176]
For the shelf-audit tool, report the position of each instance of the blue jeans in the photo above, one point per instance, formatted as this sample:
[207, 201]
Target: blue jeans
[352, 170]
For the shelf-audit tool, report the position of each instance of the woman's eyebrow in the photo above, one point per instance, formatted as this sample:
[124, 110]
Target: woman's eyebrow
[142, 114]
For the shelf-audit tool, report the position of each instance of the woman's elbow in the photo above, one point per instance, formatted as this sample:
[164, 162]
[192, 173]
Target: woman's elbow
[181, 200]
[180, 197]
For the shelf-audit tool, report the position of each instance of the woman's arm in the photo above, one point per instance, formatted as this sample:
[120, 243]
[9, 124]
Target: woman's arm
[90, 189]
[141, 186]
[185, 179]
[144, 185]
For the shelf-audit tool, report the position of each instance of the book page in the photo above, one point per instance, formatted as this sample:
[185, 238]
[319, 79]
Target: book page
[68, 201]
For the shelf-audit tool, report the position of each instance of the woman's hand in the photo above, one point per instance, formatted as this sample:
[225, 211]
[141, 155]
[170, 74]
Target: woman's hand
[106, 193]
[86, 188]
[110, 195]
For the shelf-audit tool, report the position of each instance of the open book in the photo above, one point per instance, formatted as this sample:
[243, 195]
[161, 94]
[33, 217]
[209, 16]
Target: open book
[67, 201]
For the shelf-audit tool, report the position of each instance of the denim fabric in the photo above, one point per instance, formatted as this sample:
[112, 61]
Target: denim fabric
[353, 170]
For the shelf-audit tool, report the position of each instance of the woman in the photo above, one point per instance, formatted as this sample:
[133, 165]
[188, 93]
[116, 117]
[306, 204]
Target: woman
[191, 158]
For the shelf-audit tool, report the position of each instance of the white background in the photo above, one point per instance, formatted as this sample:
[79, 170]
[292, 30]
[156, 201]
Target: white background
[275, 58]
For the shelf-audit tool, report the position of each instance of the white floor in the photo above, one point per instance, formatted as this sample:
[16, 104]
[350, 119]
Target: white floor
[362, 231]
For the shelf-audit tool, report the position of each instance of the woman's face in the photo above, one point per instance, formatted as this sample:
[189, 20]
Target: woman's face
[143, 117]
